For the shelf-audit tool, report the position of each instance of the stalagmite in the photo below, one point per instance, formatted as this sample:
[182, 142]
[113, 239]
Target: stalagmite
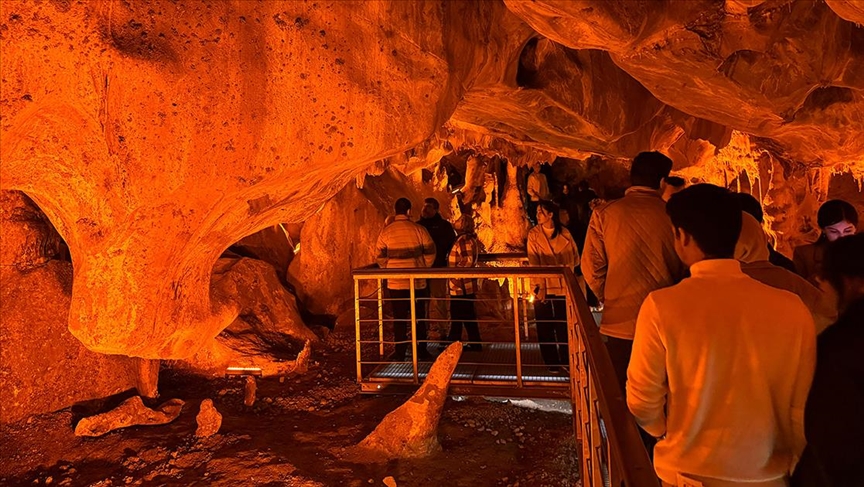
[411, 430]
[209, 419]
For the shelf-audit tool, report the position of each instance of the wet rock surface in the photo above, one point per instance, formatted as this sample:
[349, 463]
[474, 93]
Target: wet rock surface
[293, 436]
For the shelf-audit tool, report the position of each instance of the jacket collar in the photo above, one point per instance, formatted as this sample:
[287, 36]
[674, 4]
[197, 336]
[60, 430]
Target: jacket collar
[642, 191]
[716, 268]
[400, 217]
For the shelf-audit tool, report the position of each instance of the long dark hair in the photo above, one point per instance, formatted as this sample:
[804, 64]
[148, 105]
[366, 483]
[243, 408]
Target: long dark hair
[552, 209]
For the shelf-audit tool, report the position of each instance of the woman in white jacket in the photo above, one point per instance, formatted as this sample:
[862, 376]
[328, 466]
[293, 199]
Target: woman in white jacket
[550, 244]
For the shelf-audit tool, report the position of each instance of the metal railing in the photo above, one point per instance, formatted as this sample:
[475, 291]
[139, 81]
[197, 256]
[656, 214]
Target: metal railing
[611, 449]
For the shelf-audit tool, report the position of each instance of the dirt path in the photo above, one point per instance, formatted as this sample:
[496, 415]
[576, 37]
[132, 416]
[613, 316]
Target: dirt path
[293, 436]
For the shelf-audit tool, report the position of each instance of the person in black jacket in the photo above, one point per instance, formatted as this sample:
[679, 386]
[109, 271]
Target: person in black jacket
[834, 416]
[444, 236]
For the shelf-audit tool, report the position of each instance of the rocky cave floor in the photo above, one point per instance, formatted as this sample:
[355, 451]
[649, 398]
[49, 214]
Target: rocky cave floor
[293, 435]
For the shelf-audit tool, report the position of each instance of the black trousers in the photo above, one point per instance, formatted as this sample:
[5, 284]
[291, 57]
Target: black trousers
[402, 318]
[620, 350]
[552, 330]
[462, 313]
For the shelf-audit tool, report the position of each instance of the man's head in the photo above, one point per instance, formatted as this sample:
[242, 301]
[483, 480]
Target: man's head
[837, 219]
[749, 204]
[402, 206]
[584, 186]
[707, 221]
[844, 268]
[649, 168]
[671, 185]
[430, 208]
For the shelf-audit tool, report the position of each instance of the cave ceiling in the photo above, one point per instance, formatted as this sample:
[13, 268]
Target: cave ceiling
[156, 134]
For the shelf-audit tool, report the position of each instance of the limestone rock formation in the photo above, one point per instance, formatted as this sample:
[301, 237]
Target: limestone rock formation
[209, 419]
[342, 236]
[789, 71]
[156, 134]
[131, 412]
[44, 368]
[272, 245]
[267, 334]
[411, 430]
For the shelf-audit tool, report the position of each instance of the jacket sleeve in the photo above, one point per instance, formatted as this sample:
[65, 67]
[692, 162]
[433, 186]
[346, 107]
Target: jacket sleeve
[381, 251]
[428, 247]
[534, 260]
[594, 263]
[646, 374]
[571, 260]
[803, 381]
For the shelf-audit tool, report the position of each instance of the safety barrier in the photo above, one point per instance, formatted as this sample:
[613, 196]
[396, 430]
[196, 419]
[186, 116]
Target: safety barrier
[511, 360]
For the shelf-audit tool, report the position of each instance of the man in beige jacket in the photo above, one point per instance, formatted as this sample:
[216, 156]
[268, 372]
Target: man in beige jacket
[629, 252]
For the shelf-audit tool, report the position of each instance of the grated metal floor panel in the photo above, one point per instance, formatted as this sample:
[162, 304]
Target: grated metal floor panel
[496, 364]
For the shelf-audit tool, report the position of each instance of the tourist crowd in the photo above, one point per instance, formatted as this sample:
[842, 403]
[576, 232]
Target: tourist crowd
[740, 366]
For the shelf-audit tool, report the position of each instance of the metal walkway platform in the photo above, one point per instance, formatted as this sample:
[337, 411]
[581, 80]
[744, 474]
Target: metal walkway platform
[478, 373]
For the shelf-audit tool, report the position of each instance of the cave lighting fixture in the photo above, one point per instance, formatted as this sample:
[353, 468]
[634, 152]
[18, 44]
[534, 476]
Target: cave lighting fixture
[256, 371]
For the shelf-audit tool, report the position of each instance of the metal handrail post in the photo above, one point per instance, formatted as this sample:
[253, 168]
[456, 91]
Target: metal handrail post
[380, 319]
[514, 284]
[414, 330]
[357, 328]
[524, 308]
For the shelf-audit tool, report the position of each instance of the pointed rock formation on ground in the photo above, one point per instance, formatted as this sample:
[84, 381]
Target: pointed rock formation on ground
[131, 412]
[209, 419]
[410, 431]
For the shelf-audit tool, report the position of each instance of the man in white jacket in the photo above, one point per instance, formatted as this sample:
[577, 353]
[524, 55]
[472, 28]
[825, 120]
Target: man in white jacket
[721, 363]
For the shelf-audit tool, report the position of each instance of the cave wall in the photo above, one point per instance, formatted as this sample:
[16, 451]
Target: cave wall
[342, 235]
[43, 367]
[156, 134]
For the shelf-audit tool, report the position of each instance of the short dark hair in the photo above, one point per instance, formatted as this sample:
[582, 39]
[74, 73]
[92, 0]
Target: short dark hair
[649, 168]
[836, 211]
[433, 202]
[844, 258]
[402, 206]
[675, 181]
[711, 215]
[749, 204]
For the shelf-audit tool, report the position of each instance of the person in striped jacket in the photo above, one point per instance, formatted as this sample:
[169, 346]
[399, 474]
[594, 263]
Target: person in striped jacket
[404, 245]
[463, 291]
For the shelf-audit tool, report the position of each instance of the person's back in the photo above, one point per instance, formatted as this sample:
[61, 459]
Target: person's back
[733, 388]
[442, 234]
[402, 245]
[639, 254]
[721, 363]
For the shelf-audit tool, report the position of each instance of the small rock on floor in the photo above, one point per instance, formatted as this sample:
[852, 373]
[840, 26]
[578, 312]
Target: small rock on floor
[209, 419]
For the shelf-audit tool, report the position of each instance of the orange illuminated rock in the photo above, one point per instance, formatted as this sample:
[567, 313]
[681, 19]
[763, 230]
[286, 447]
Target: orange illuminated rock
[411, 430]
[131, 412]
[44, 368]
[156, 134]
[789, 71]
[209, 419]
